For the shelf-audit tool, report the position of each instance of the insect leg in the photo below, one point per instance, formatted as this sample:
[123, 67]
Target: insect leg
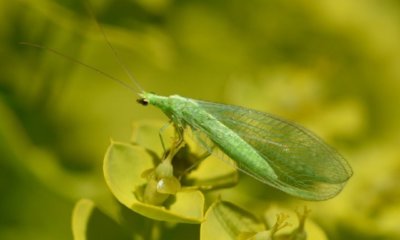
[207, 153]
[160, 134]
[179, 133]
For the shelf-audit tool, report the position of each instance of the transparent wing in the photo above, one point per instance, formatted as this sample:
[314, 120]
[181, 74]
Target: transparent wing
[305, 165]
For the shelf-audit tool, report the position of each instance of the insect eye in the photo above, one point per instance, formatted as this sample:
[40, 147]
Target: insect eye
[143, 101]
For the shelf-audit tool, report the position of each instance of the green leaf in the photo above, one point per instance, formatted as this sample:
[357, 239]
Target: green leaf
[225, 220]
[123, 167]
[89, 223]
[213, 173]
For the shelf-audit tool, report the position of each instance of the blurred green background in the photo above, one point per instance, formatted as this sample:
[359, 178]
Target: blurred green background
[333, 66]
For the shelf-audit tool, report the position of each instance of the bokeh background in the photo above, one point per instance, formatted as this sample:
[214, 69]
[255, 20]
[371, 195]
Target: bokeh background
[333, 66]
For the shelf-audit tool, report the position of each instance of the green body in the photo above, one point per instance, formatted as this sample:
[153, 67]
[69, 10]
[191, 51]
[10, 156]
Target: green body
[186, 112]
[272, 150]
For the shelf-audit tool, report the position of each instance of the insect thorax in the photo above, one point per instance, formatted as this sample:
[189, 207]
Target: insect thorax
[173, 106]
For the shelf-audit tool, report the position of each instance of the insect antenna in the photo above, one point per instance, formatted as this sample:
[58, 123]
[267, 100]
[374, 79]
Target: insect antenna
[124, 84]
[113, 50]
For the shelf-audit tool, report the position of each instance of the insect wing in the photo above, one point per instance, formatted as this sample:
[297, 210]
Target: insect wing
[305, 165]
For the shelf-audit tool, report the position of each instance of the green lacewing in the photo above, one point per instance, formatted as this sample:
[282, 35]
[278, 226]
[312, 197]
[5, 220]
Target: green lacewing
[274, 151]
[270, 149]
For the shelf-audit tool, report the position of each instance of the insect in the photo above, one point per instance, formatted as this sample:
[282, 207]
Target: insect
[272, 150]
